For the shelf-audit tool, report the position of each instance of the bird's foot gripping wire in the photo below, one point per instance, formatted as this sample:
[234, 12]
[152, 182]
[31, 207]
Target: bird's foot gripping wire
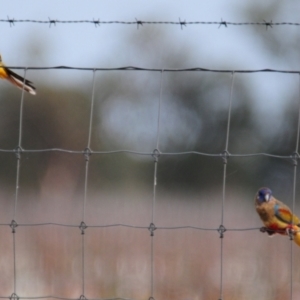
[263, 229]
[291, 232]
[268, 231]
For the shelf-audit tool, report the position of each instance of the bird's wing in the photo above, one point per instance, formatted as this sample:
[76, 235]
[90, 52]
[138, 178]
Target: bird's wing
[20, 82]
[284, 214]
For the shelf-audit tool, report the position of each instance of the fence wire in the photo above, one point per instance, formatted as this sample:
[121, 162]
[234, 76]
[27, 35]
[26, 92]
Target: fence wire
[139, 22]
[155, 154]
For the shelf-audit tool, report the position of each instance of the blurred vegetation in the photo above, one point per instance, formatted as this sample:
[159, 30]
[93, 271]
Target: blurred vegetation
[194, 114]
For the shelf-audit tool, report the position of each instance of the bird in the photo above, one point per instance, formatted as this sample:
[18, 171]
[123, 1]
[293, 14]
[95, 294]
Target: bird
[276, 216]
[15, 79]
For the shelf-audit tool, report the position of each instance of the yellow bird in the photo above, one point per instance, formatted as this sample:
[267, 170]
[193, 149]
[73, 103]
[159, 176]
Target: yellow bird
[15, 79]
[276, 216]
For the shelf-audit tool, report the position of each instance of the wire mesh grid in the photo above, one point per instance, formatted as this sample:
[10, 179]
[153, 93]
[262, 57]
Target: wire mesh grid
[150, 228]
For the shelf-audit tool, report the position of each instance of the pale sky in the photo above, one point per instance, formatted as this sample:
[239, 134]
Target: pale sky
[82, 44]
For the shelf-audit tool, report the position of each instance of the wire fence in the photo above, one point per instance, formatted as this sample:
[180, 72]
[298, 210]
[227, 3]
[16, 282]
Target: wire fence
[150, 227]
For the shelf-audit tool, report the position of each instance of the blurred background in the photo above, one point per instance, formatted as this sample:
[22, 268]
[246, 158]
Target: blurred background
[193, 117]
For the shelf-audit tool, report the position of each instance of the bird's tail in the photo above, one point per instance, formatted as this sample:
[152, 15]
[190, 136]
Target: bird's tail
[296, 235]
[19, 81]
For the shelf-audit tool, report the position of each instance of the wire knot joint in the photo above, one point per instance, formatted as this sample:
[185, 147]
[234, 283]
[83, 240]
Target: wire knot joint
[14, 296]
[83, 227]
[225, 155]
[151, 228]
[290, 232]
[13, 225]
[295, 156]
[221, 231]
[87, 152]
[18, 150]
[155, 154]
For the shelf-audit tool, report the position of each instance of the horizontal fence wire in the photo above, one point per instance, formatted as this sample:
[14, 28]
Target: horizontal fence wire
[63, 298]
[128, 226]
[160, 70]
[138, 22]
[291, 156]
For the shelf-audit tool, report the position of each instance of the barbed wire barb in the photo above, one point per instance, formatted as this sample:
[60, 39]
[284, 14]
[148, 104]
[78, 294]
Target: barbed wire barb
[96, 22]
[11, 21]
[52, 22]
[182, 23]
[224, 23]
[138, 23]
[268, 24]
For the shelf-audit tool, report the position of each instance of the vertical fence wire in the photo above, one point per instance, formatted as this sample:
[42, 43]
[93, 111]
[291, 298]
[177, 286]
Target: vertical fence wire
[229, 114]
[156, 150]
[92, 110]
[87, 154]
[88, 150]
[291, 244]
[83, 264]
[298, 127]
[19, 148]
[155, 155]
[18, 151]
[295, 159]
[159, 108]
[225, 161]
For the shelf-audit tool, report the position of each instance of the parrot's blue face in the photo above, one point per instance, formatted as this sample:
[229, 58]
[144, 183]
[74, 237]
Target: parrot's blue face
[264, 195]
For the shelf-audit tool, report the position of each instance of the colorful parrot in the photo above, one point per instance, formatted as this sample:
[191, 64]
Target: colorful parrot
[276, 216]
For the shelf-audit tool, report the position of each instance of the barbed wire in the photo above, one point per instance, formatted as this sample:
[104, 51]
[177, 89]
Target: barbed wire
[139, 22]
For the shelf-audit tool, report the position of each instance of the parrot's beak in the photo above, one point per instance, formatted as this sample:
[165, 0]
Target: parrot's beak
[267, 197]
